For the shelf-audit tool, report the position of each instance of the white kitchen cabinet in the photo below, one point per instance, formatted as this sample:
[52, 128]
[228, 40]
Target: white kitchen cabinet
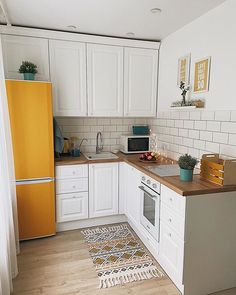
[132, 183]
[105, 80]
[18, 48]
[103, 189]
[68, 75]
[171, 253]
[140, 82]
[72, 206]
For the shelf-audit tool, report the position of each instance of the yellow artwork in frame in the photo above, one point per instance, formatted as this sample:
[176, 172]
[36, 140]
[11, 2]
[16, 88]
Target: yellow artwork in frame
[201, 75]
[183, 69]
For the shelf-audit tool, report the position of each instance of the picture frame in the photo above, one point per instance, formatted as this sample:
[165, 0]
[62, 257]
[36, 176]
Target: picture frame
[184, 69]
[202, 75]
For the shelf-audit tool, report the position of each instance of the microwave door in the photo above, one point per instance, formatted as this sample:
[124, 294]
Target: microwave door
[138, 144]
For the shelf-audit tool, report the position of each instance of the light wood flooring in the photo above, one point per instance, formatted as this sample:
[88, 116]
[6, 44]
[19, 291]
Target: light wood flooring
[61, 265]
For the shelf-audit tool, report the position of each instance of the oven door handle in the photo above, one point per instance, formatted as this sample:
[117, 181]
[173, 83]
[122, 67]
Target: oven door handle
[150, 195]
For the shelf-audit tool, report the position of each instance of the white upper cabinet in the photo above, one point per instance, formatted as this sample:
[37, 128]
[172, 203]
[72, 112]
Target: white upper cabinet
[140, 82]
[17, 49]
[103, 189]
[105, 80]
[68, 75]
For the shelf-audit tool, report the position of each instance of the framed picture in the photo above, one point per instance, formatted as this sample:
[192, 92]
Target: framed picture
[201, 75]
[183, 69]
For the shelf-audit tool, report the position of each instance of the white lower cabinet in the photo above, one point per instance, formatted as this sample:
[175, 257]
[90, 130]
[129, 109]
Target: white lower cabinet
[72, 206]
[71, 192]
[172, 229]
[171, 253]
[132, 194]
[103, 189]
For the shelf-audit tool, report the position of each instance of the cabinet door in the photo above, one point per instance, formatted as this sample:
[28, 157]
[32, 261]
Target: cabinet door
[103, 189]
[68, 75]
[133, 178]
[72, 207]
[105, 80]
[140, 82]
[17, 49]
[171, 253]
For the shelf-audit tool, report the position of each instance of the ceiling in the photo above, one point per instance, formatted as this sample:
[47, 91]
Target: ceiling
[108, 17]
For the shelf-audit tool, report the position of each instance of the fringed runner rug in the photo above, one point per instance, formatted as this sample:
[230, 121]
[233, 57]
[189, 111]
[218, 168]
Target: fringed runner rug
[119, 257]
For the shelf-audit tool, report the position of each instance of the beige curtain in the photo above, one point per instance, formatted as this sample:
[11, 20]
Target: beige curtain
[9, 242]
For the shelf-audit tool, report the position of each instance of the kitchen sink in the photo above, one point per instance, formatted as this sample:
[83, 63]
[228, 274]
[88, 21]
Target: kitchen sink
[100, 156]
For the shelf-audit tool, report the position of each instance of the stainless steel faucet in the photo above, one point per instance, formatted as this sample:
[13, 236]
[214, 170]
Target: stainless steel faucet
[99, 146]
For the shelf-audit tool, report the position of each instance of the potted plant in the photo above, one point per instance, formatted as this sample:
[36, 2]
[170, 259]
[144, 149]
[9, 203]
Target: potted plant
[29, 70]
[187, 164]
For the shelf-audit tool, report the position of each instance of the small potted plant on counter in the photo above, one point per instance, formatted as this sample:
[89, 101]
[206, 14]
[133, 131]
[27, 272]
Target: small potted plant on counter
[187, 164]
[29, 70]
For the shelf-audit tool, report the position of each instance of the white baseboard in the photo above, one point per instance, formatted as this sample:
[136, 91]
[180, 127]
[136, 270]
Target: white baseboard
[71, 225]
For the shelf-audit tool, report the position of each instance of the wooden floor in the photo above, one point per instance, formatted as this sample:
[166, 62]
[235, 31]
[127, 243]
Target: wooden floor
[61, 265]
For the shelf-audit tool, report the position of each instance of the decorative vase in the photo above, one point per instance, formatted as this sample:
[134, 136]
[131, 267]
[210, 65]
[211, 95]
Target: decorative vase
[186, 175]
[29, 76]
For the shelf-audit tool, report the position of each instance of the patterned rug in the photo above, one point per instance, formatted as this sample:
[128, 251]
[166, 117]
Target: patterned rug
[119, 257]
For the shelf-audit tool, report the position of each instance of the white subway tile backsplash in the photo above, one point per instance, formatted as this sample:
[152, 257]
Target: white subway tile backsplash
[194, 134]
[195, 115]
[174, 115]
[213, 147]
[184, 115]
[183, 149]
[170, 123]
[222, 115]
[174, 131]
[229, 127]
[110, 128]
[208, 115]
[200, 125]
[232, 139]
[228, 150]
[183, 132]
[233, 116]
[178, 140]
[213, 126]
[220, 137]
[179, 123]
[188, 142]
[206, 135]
[199, 144]
[188, 124]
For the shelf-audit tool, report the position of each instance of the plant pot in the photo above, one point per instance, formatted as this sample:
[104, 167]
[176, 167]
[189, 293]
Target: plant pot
[186, 175]
[29, 76]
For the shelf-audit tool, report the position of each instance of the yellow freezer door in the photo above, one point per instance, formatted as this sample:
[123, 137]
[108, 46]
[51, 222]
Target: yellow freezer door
[36, 209]
[30, 109]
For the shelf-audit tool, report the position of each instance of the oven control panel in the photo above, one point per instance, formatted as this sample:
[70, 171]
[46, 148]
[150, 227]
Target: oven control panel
[151, 183]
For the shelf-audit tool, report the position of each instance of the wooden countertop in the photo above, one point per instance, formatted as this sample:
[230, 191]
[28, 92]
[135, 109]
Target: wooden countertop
[196, 187]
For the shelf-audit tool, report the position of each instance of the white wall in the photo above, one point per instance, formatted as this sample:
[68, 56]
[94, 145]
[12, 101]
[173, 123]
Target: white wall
[213, 34]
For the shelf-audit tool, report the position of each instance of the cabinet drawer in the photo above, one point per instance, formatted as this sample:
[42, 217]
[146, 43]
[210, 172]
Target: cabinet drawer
[173, 220]
[71, 171]
[171, 253]
[72, 206]
[71, 185]
[173, 200]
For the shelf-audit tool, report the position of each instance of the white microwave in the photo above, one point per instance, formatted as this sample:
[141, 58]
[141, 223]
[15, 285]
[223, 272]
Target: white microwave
[131, 144]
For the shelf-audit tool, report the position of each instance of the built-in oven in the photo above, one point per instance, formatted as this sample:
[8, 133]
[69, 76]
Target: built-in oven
[150, 206]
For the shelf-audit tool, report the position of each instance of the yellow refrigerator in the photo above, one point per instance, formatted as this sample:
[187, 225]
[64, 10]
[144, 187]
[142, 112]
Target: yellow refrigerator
[30, 110]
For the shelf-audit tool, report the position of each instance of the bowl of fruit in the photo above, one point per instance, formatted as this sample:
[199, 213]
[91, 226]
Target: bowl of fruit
[149, 157]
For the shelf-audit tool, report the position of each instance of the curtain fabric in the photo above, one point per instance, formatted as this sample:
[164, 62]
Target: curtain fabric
[9, 242]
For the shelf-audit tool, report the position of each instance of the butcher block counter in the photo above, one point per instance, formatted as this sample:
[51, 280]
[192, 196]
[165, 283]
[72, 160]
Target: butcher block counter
[196, 187]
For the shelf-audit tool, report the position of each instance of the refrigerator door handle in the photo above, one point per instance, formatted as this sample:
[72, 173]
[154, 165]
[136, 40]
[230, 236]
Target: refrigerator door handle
[34, 180]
